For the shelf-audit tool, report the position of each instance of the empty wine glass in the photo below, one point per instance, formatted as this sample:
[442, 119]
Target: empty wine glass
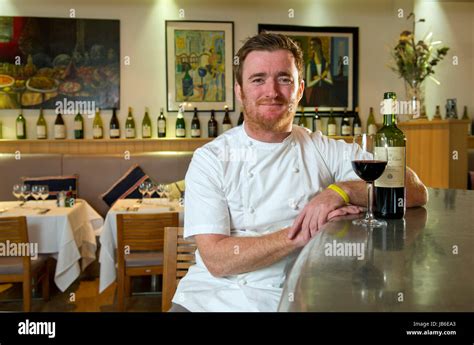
[25, 192]
[17, 191]
[160, 190]
[35, 192]
[151, 189]
[369, 162]
[143, 188]
[44, 192]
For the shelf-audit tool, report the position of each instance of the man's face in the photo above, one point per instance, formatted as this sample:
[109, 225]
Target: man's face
[270, 90]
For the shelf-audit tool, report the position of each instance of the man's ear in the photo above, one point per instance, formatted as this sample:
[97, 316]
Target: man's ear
[238, 92]
[300, 90]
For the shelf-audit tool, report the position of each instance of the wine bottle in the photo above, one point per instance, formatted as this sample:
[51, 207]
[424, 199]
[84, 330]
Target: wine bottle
[317, 123]
[130, 125]
[1, 129]
[20, 126]
[346, 129]
[241, 118]
[161, 125]
[114, 127]
[371, 126]
[180, 124]
[302, 122]
[331, 128]
[390, 199]
[466, 117]
[212, 126]
[78, 126]
[195, 125]
[59, 127]
[437, 115]
[226, 124]
[41, 128]
[146, 125]
[357, 125]
[97, 126]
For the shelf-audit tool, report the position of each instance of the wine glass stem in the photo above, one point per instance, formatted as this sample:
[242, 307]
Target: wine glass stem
[370, 196]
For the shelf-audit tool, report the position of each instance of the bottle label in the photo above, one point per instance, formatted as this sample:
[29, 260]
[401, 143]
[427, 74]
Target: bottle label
[195, 133]
[331, 129]
[394, 174]
[97, 132]
[346, 130]
[77, 125]
[372, 129]
[146, 131]
[226, 127]
[114, 132]
[19, 130]
[180, 132]
[130, 133]
[357, 130]
[161, 126]
[41, 132]
[59, 131]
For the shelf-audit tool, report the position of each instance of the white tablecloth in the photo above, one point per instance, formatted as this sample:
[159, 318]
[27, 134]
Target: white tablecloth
[68, 234]
[108, 237]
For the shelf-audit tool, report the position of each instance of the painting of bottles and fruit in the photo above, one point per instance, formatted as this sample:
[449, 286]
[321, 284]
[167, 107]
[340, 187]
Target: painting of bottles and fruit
[44, 61]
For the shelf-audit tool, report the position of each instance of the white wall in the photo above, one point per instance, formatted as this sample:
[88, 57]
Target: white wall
[143, 83]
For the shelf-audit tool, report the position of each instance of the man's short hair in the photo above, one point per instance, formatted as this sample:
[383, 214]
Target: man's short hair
[268, 42]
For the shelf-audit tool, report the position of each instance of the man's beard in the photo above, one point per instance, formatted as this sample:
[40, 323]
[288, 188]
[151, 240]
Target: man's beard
[257, 121]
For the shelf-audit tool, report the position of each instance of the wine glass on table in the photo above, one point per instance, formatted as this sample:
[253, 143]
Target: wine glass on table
[35, 192]
[44, 192]
[143, 189]
[17, 191]
[369, 162]
[25, 192]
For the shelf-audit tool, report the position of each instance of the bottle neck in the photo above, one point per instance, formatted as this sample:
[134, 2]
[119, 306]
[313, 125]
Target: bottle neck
[389, 120]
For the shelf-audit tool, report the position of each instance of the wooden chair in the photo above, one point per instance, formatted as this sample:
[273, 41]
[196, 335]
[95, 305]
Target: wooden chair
[140, 240]
[22, 269]
[179, 256]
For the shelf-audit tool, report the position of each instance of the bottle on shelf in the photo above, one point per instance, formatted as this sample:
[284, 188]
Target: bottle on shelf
[20, 126]
[41, 128]
[212, 126]
[161, 125]
[346, 129]
[114, 127]
[437, 115]
[241, 118]
[389, 193]
[59, 127]
[1, 129]
[317, 123]
[97, 126]
[331, 128]
[357, 124]
[78, 126]
[466, 117]
[146, 125]
[226, 123]
[130, 132]
[195, 125]
[302, 122]
[371, 126]
[180, 124]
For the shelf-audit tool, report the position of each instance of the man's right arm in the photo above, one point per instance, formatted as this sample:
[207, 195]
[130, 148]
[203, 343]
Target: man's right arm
[227, 255]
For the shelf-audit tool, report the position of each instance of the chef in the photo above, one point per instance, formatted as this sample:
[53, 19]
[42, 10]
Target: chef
[258, 193]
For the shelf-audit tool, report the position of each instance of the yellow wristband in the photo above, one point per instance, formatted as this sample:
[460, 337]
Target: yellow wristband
[340, 191]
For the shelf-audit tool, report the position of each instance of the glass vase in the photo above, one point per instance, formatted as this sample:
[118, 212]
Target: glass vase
[416, 96]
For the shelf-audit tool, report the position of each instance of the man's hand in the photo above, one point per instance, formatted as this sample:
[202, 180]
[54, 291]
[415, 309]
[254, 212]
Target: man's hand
[315, 214]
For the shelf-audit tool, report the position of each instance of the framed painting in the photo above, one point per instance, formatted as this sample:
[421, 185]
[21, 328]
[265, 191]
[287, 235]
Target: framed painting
[64, 63]
[331, 66]
[199, 70]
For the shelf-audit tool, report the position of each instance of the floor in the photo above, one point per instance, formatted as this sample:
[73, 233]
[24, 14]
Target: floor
[83, 296]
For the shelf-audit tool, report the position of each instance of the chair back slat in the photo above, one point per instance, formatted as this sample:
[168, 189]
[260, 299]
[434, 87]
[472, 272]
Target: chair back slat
[13, 229]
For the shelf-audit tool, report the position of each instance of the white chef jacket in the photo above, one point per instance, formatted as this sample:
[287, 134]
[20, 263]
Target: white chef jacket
[239, 186]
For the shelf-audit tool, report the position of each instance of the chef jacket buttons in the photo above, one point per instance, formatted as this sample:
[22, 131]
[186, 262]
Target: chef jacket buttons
[242, 282]
[250, 174]
[293, 144]
[296, 170]
[292, 203]
[251, 210]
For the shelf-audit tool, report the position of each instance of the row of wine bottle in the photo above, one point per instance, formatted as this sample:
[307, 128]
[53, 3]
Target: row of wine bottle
[130, 127]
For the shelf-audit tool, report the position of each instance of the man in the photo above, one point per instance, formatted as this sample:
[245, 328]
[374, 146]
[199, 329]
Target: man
[257, 194]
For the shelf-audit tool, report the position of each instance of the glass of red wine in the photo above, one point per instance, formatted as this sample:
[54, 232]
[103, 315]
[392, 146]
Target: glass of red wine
[369, 163]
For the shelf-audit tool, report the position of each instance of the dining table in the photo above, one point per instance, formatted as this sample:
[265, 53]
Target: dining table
[68, 234]
[421, 263]
[108, 236]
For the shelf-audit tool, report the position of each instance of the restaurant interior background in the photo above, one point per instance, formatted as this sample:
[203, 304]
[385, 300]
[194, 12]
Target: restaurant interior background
[142, 35]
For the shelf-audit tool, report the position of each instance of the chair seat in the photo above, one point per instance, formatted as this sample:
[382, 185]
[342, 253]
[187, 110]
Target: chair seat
[14, 264]
[138, 259]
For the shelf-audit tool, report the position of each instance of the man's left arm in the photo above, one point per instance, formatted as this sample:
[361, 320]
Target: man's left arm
[315, 213]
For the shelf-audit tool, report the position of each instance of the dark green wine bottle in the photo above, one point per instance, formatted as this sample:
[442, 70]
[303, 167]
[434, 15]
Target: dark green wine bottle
[390, 200]
[114, 127]
[146, 125]
[78, 126]
[161, 125]
[195, 125]
[180, 124]
[20, 126]
[331, 124]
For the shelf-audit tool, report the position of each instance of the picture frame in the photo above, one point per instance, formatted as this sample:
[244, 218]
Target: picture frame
[199, 71]
[331, 65]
